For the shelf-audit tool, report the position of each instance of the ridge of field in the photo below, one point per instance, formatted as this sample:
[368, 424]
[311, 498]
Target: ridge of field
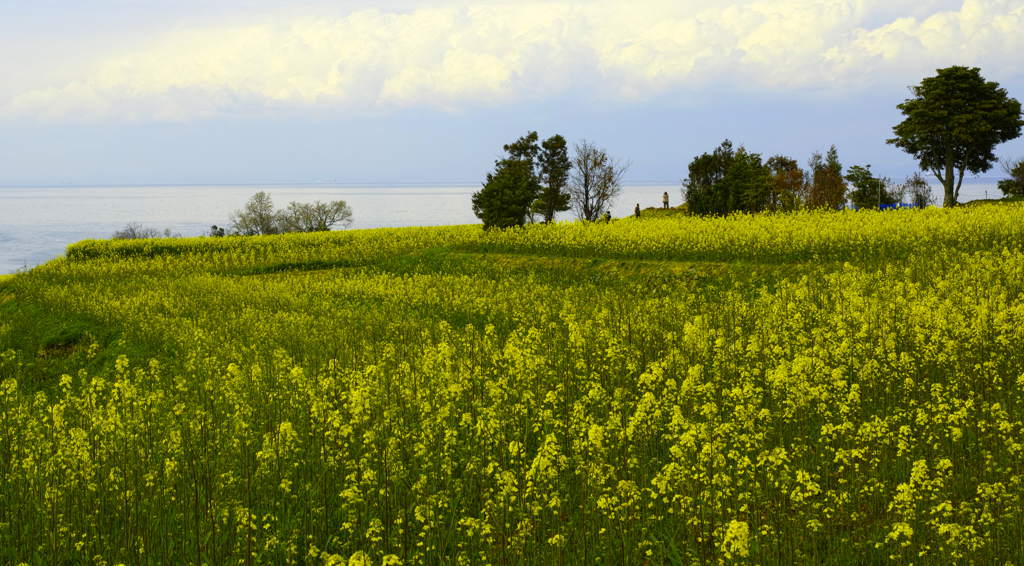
[808, 388]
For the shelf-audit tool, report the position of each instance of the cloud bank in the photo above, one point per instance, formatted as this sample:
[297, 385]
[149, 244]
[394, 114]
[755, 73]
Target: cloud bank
[491, 55]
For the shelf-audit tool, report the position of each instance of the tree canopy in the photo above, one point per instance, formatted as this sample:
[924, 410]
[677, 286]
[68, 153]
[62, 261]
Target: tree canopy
[555, 166]
[870, 191]
[727, 180]
[510, 190]
[953, 123]
[506, 196]
[827, 186]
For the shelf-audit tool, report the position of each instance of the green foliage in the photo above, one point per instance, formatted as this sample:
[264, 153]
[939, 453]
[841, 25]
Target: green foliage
[512, 188]
[554, 165]
[789, 184]
[705, 172]
[1013, 186]
[727, 181]
[953, 124]
[506, 196]
[524, 149]
[869, 191]
[828, 187]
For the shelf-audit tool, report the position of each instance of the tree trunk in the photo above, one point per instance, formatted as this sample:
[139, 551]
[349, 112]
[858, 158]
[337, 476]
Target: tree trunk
[949, 200]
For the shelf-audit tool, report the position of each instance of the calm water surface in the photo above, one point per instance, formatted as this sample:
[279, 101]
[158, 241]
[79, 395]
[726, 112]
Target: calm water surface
[38, 223]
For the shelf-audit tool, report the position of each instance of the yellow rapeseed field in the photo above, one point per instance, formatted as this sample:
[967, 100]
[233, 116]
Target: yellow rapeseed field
[810, 388]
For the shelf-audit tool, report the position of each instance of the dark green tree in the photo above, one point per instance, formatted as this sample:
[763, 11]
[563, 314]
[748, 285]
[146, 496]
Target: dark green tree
[506, 196]
[700, 189]
[727, 181]
[554, 165]
[827, 188]
[747, 184]
[1013, 186]
[869, 191]
[524, 149]
[953, 123]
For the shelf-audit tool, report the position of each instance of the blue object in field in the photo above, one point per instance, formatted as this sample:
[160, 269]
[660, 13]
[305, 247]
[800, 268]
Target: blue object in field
[897, 205]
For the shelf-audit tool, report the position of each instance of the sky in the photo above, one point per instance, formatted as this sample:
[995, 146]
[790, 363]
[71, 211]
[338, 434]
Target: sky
[268, 91]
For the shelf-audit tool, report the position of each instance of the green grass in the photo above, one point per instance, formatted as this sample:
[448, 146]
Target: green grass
[1004, 200]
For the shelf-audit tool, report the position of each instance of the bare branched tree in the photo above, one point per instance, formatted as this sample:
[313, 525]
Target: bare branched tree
[916, 190]
[595, 180]
[135, 231]
[317, 216]
[257, 218]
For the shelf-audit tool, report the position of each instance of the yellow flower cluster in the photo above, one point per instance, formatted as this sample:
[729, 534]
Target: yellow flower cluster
[810, 388]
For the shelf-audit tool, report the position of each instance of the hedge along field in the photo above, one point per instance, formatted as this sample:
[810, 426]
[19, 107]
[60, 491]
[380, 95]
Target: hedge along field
[813, 388]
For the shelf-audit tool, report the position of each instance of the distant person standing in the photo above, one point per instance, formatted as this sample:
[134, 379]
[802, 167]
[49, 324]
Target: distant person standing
[636, 210]
[607, 216]
[664, 200]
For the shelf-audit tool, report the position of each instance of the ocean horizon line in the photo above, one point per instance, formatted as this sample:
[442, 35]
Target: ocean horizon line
[324, 183]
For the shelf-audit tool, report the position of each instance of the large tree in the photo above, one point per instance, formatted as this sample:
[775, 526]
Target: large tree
[595, 180]
[507, 194]
[258, 217]
[789, 183]
[747, 184]
[727, 181]
[701, 189]
[505, 198]
[953, 123]
[554, 165]
[315, 217]
[828, 187]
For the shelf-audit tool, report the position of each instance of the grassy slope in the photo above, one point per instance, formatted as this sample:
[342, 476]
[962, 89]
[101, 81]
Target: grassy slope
[388, 306]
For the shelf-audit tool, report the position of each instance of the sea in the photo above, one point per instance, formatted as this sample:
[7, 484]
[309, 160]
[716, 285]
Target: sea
[38, 223]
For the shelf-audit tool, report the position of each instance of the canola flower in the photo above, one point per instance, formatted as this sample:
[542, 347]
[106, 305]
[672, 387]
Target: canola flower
[809, 388]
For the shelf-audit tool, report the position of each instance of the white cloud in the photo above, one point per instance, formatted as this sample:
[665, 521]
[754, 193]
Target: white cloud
[448, 58]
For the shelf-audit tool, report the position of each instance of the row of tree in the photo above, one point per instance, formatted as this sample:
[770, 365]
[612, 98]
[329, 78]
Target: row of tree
[534, 181]
[951, 126]
[731, 180]
[258, 217]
